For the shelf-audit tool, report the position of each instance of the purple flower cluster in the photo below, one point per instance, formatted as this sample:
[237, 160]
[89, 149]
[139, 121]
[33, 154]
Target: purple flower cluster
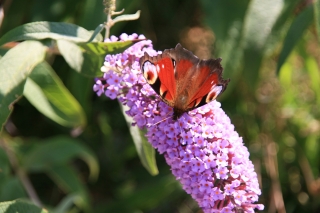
[204, 151]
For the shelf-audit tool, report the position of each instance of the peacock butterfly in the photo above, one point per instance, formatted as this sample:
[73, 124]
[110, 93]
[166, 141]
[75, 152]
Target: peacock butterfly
[182, 80]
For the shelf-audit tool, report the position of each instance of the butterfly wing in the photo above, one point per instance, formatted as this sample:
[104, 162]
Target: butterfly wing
[198, 81]
[159, 73]
[208, 84]
[182, 80]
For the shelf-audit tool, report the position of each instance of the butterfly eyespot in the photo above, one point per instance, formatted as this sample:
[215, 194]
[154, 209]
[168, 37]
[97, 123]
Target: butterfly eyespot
[213, 94]
[173, 63]
[150, 72]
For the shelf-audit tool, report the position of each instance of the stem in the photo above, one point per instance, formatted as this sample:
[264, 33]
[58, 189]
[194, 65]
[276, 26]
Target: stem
[107, 26]
[110, 7]
[21, 173]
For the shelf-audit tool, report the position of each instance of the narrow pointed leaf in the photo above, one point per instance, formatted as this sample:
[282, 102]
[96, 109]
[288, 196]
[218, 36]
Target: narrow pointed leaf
[296, 30]
[96, 33]
[15, 66]
[46, 92]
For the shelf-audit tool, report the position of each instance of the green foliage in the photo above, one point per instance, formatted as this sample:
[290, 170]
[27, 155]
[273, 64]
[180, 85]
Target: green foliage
[76, 150]
[45, 91]
[295, 32]
[15, 66]
[20, 206]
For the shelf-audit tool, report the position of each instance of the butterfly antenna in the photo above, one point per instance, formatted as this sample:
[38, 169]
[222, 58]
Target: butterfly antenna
[163, 119]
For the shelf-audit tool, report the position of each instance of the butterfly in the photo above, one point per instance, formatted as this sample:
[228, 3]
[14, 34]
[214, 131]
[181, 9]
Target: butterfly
[182, 80]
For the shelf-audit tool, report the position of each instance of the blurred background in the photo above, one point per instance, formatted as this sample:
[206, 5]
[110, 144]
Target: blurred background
[270, 51]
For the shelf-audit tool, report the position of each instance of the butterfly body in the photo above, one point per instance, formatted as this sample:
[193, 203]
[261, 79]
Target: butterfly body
[182, 80]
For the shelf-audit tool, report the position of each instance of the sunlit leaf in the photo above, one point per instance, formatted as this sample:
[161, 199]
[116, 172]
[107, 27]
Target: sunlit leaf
[297, 28]
[88, 58]
[15, 66]
[20, 206]
[285, 78]
[45, 29]
[103, 48]
[285, 75]
[84, 62]
[46, 92]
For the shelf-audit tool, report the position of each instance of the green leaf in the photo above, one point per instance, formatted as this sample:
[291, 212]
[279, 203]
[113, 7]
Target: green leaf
[88, 58]
[15, 66]
[145, 151]
[44, 29]
[4, 163]
[84, 62]
[103, 48]
[285, 75]
[96, 32]
[3, 52]
[228, 32]
[260, 19]
[67, 179]
[317, 17]
[20, 206]
[11, 188]
[281, 26]
[295, 32]
[314, 74]
[46, 92]
[58, 151]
